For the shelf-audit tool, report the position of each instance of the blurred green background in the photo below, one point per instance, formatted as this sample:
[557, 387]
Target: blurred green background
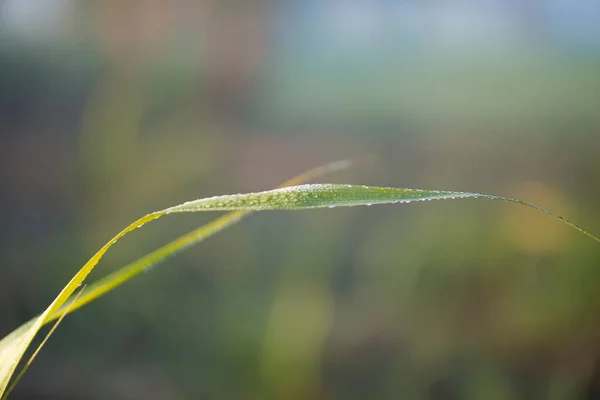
[112, 109]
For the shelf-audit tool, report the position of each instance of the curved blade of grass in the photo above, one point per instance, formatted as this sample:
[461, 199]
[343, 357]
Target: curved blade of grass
[14, 345]
[334, 195]
[290, 198]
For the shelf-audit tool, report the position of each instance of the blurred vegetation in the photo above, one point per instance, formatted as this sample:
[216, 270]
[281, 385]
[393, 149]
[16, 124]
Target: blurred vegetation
[110, 110]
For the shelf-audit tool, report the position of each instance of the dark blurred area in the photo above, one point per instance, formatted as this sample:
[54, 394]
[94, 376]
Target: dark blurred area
[112, 109]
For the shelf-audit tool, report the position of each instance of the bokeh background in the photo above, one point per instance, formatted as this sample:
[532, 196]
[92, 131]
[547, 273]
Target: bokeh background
[112, 109]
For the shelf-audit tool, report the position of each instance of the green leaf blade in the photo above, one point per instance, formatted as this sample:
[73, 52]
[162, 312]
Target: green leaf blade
[13, 346]
[316, 196]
